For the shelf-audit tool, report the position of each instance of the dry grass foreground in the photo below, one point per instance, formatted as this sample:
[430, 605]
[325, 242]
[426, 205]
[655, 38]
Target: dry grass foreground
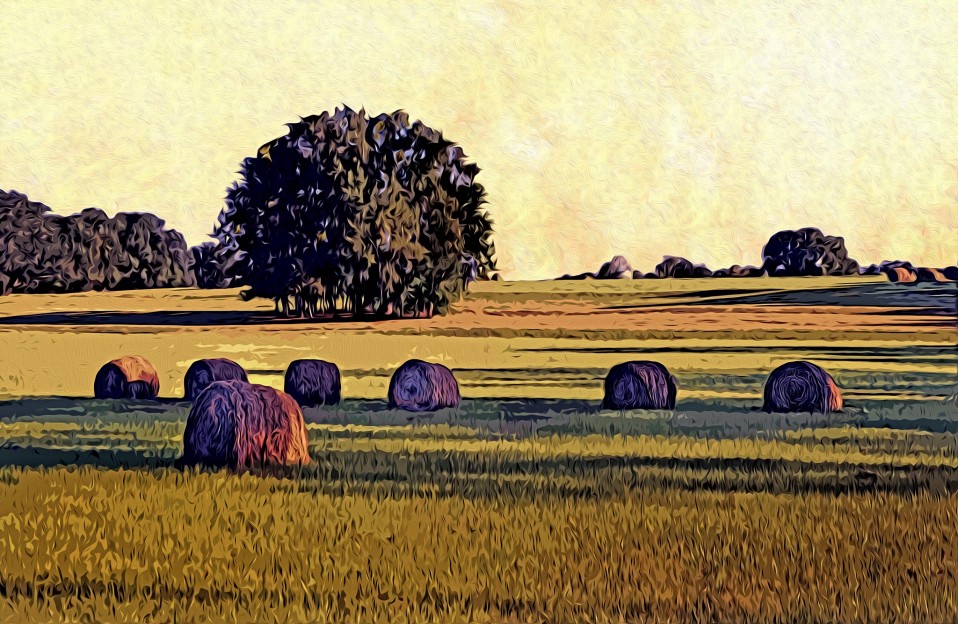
[130, 546]
[532, 507]
[579, 516]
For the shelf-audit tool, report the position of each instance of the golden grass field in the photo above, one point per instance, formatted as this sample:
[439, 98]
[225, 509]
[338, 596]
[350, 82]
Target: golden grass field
[520, 339]
[528, 504]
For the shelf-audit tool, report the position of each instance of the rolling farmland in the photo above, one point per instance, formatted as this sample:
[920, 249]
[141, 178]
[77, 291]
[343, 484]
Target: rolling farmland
[528, 503]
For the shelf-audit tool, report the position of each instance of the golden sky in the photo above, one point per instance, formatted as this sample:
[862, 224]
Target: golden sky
[692, 128]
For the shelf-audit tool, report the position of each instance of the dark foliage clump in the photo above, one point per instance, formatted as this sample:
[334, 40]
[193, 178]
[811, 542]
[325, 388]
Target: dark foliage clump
[216, 266]
[737, 270]
[616, 268]
[43, 252]
[887, 267]
[360, 215]
[807, 252]
[672, 266]
[905, 272]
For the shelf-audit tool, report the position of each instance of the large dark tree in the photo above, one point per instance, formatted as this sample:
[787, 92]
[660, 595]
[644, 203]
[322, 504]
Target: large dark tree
[807, 252]
[44, 252]
[347, 213]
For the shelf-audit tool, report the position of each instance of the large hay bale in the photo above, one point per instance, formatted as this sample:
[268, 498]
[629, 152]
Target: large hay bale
[639, 385]
[313, 382]
[801, 387]
[240, 425]
[204, 372]
[419, 386]
[127, 377]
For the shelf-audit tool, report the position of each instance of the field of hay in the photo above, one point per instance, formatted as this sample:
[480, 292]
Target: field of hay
[557, 340]
[526, 504]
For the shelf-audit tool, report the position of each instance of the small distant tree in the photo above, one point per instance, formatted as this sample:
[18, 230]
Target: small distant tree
[673, 266]
[359, 215]
[807, 252]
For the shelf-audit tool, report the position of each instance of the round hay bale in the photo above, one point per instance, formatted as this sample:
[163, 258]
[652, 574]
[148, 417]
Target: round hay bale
[204, 372]
[240, 425]
[127, 377]
[639, 385]
[419, 386]
[801, 387]
[313, 382]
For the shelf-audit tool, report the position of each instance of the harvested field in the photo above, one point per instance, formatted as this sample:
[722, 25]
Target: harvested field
[528, 502]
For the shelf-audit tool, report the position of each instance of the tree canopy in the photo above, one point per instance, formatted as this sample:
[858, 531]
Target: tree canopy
[807, 252]
[43, 252]
[358, 214]
[215, 266]
[674, 266]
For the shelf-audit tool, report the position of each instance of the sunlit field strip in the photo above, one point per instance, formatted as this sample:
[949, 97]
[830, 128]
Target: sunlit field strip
[672, 447]
[839, 445]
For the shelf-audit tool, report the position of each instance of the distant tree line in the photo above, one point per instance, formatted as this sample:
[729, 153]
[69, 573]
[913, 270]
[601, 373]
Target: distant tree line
[344, 214]
[43, 252]
[790, 253]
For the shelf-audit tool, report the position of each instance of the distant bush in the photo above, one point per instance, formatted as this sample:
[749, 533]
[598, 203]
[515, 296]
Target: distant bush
[807, 252]
[44, 252]
[672, 266]
[737, 270]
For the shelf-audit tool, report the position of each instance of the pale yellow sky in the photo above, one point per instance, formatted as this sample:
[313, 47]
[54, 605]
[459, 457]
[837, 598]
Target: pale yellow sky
[693, 128]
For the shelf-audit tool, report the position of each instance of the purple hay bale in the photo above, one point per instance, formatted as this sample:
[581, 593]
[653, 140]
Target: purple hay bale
[127, 377]
[204, 372]
[419, 386]
[801, 387]
[313, 382]
[639, 385]
[239, 425]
